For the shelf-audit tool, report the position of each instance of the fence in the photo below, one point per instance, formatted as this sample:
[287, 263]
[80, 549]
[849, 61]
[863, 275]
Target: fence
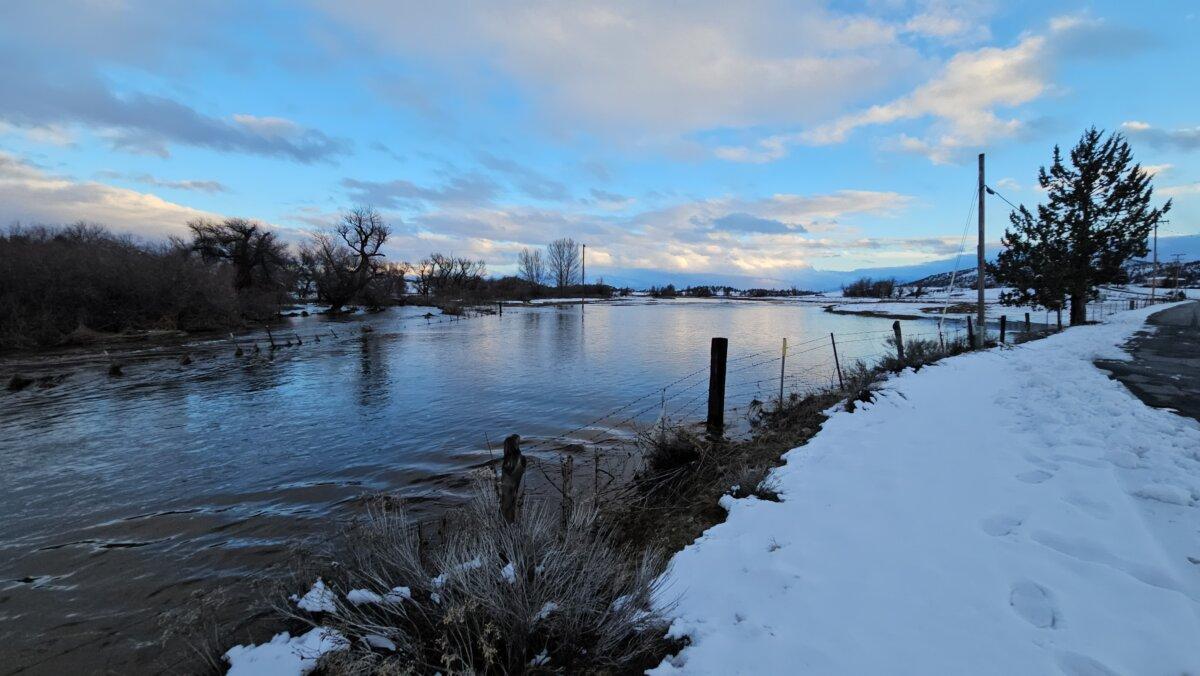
[802, 368]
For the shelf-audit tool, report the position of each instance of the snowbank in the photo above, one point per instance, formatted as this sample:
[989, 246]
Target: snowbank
[1011, 511]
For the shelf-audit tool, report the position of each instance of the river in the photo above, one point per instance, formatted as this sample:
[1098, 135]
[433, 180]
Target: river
[123, 496]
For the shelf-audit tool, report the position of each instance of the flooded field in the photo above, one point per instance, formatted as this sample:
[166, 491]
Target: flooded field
[122, 496]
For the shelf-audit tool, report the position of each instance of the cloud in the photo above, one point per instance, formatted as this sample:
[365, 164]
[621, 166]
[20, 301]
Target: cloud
[147, 179]
[1157, 169]
[963, 99]
[149, 124]
[749, 223]
[646, 67]
[30, 194]
[1178, 190]
[1185, 139]
[529, 181]
[466, 189]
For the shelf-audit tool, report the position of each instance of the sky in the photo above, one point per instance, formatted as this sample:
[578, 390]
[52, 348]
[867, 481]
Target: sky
[738, 140]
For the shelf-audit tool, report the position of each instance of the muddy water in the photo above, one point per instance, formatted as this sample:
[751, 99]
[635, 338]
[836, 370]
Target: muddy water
[120, 497]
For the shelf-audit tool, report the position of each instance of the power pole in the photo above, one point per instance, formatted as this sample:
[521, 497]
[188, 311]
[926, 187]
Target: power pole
[1154, 272]
[981, 318]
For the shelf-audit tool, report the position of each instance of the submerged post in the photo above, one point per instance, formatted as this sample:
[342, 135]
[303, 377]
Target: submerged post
[716, 384]
[512, 468]
[836, 364]
[1003, 327]
[970, 333]
[899, 342]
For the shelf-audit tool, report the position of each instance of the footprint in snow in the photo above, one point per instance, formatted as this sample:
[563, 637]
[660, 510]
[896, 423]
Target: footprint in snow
[1074, 664]
[1036, 476]
[1000, 525]
[1034, 604]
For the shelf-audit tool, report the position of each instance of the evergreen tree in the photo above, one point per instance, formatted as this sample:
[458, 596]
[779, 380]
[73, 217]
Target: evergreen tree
[1097, 216]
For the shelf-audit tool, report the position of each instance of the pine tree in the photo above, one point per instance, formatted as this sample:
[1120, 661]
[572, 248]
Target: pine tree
[1097, 216]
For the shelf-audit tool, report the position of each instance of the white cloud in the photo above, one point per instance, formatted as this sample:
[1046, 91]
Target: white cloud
[964, 100]
[653, 68]
[1157, 169]
[29, 194]
[1178, 190]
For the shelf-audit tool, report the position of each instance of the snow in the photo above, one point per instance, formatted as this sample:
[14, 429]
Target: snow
[284, 655]
[318, 599]
[363, 596]
[1008, 511]
[509, 573]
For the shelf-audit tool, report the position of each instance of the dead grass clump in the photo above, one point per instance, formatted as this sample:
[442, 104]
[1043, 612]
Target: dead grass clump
[539, 595]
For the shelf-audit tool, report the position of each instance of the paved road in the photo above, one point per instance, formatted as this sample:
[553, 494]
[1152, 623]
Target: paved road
[1165, 371]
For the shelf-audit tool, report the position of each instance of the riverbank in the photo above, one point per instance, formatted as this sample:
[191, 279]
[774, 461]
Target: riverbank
[1010, 511]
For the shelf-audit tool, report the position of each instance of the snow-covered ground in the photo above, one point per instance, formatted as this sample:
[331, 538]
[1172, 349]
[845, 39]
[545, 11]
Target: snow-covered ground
[1013, 511]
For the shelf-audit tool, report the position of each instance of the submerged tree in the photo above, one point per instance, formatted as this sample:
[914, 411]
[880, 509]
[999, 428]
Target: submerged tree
[253, 251]
[1097, 217]
[343, 262]
[562, 257]
[531, 267]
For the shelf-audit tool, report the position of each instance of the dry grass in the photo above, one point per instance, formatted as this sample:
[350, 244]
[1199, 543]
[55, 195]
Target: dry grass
[541, 595]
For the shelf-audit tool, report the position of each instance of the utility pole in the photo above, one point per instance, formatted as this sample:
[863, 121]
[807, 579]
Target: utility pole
[981, 319]
[1154, 278]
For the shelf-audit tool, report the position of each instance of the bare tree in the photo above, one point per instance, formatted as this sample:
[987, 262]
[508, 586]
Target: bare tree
[531, 267]
[441, 274]
[562, 258]
[343, 262]
[363, 230]
[253, 251]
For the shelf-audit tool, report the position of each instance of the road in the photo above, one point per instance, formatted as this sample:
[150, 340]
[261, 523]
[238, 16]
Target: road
[1165, 370]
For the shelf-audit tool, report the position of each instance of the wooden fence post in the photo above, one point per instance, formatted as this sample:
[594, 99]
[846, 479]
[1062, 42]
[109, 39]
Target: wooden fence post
[512, 468]
[782, 364]
[716, 384]
[836, 363]
[899, 342]
[1058, 313]
[1028, 326]
[970, 333]
[1003, 327]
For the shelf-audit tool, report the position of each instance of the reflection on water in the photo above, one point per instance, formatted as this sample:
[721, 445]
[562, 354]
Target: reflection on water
[122, 495]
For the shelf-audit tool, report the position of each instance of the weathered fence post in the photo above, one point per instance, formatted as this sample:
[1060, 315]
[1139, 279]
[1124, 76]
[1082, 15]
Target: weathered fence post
[1132, 304]
[1003, 327]
[782, 363]
[1058, 313]
[970, 333]
[512, 468]
[1028, 326]
[836, 363]
[899, 342]
[500, 308]
[716, 384]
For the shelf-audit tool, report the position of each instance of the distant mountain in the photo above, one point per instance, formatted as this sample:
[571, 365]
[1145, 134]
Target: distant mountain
[829, 280]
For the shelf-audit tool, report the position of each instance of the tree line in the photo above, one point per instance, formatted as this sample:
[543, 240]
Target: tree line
[64, 285]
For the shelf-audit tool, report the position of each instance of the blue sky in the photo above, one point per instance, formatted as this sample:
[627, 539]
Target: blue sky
[755, 139]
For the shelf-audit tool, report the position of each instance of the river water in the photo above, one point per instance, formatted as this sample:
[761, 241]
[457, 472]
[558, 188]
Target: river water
[122, 496]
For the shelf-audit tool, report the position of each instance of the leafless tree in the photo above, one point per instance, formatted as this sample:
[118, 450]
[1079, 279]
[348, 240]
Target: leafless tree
[531, 267]
[562, 258]
[364, 232]
[253, 251]
[440, 273]
[343, 262]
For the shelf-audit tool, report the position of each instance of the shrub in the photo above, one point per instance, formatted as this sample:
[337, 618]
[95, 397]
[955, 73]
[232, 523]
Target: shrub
[490, 597]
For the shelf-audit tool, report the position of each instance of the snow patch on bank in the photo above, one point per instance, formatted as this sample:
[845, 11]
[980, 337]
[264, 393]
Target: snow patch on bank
[284, 655]
[1008, 511]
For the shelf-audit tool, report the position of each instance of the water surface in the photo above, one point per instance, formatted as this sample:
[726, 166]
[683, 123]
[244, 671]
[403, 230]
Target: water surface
[122, 496]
